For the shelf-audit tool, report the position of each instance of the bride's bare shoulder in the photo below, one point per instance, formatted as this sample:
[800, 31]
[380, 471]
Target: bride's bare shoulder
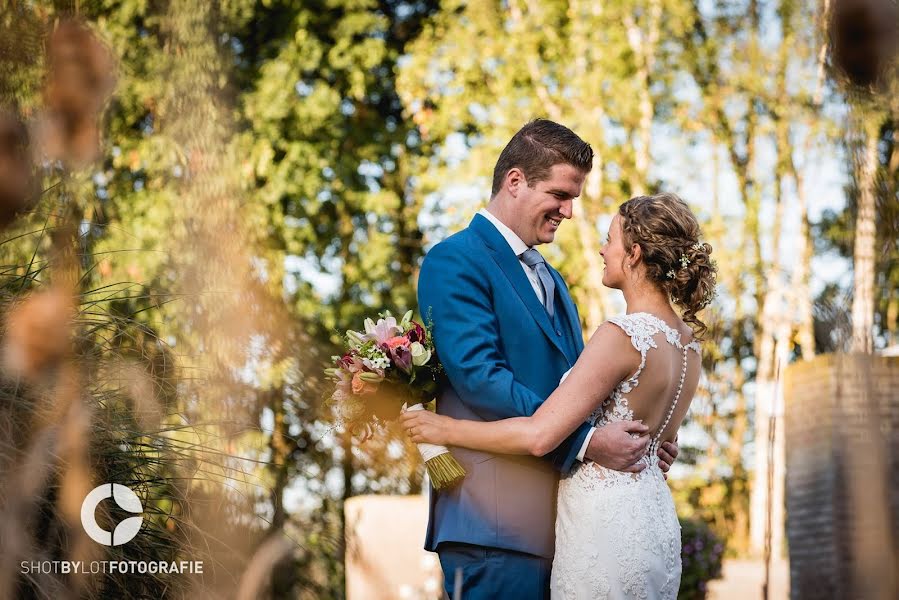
[617, 330]
[610, 332]
[614, 344]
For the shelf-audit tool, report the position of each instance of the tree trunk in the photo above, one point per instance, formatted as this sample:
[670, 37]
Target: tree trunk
[281, 447]
[801, 297]
[593, 301]
[739, 142]
[644, 48]
[865, 239]
[801, 292]
[773, 332]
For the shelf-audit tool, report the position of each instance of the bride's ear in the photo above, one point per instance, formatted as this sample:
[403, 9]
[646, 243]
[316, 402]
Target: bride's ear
[636, 255]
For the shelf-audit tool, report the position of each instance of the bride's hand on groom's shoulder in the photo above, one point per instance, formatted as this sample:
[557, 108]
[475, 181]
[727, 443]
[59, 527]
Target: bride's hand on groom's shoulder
[424, 426]
[613, 446]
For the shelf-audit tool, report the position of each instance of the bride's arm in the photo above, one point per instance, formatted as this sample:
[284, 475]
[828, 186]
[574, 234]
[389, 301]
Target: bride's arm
[607, 359]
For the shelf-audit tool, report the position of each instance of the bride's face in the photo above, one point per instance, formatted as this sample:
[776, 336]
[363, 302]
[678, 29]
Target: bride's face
[614, 255]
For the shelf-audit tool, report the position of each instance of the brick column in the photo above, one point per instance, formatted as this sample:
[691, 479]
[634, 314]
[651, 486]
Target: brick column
[842, 476]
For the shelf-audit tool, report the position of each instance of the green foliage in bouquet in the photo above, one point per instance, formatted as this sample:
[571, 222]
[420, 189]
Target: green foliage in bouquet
[701, 555]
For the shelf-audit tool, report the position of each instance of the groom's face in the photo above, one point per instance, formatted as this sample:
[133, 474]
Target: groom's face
[543, 207]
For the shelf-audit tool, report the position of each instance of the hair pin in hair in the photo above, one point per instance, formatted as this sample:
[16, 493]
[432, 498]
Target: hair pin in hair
[670, 274]
[684, 261]
[697, 246]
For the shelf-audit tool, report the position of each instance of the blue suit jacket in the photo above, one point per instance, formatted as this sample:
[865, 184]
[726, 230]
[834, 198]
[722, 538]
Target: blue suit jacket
[503, 357]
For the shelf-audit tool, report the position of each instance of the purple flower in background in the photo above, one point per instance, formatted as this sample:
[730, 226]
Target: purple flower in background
[699, 558]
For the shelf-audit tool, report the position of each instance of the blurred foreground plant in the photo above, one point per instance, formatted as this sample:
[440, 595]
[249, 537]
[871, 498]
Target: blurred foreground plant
[89, 390]
[80, 78]
[701, 556]
[17, 187]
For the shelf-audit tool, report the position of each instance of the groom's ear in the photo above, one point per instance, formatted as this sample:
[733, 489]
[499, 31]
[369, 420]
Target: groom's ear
[514, 180]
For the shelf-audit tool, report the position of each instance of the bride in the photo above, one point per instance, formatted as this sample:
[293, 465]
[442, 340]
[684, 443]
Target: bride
[617, 533]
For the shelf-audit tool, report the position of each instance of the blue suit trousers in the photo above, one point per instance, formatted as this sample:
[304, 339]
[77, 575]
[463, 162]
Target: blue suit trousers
[494, 573]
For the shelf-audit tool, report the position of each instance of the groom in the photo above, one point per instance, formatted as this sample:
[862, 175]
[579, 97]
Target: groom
[506, 330]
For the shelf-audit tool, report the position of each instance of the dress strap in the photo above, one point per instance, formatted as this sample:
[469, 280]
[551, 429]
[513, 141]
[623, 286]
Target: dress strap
[640, 331]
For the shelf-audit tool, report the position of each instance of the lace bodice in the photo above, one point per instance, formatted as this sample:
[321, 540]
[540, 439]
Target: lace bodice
[642, 329]
[617, 533]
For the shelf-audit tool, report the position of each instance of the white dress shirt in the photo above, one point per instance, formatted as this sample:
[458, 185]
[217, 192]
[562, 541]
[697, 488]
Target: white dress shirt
[519, 247]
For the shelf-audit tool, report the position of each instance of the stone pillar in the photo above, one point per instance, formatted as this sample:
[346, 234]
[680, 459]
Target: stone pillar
[842, 476]
[384, 558]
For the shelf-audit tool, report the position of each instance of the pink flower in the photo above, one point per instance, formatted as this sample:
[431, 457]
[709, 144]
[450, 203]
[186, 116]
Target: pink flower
[355, 365]
[343, 378]
[358, 384]
[381, 331]
[396, 342]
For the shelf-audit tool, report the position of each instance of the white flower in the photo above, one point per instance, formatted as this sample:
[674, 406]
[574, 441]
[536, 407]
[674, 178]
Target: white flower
[374, 358]
[377, 361]
[420, 354]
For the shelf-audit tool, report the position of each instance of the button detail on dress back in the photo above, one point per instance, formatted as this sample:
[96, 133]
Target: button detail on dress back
[641, 327]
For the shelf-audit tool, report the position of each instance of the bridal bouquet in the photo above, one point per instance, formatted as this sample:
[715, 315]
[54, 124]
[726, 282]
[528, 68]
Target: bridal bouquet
[389, 368]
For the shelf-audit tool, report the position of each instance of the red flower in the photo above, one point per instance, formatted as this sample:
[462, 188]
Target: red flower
[345, 361]
[416, 333]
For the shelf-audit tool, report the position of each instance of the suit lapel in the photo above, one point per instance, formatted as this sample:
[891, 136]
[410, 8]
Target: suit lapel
[570, 311]
[507, 261]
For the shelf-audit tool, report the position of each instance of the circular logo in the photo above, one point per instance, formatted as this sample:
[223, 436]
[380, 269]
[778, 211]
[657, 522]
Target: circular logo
[124, 531]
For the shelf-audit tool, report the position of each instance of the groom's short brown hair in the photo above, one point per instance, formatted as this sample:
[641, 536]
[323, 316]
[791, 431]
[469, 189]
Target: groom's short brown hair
[536, 148]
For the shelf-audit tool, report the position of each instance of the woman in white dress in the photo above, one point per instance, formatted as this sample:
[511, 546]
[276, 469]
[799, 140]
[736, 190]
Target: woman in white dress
[617, 533]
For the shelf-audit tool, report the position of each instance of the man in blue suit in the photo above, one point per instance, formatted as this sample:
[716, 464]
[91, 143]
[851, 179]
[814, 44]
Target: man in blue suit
[506, 331]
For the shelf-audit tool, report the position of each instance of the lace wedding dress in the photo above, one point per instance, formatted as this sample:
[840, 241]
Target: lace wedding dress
[617, 534]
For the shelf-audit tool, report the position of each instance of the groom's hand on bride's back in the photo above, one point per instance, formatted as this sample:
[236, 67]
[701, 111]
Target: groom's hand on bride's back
[614, 447]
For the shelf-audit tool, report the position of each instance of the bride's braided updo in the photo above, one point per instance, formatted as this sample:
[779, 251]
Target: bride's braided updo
[676, 260]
